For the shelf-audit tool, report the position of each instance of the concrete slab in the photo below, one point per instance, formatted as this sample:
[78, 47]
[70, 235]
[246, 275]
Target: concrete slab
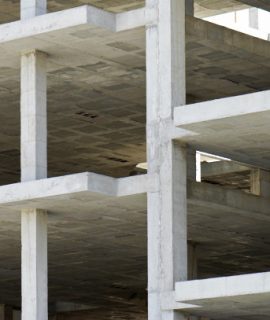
[235, 127]
[96, 91]
[45, 193]
[97, 238]
[228, 297]
[9, 9]
[51, 30]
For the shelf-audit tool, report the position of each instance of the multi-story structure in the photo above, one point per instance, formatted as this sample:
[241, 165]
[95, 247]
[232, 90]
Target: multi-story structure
[74, 82]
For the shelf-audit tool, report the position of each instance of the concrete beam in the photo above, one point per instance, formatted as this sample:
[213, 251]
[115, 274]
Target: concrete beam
[65, 186]
[73, 18]
[226, 127]
[34, 265]
[218, 198]
[33, 116]
[131, 19]
[222, 108]
[44, 193]
[215, 288]
[217, 168]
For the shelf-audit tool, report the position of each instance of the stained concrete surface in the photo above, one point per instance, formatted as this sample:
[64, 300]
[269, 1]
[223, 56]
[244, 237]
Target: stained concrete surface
[97, 252]
[96, 97]
[97, 245]
[9, 9]
[237, 297]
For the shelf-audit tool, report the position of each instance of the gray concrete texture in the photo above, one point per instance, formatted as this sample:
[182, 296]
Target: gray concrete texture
[97, 242]
[96, 102]
[94, 124]
[236, 297]
[9, 9]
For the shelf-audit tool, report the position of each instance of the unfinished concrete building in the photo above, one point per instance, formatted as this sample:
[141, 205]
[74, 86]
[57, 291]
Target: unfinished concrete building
[134, 160]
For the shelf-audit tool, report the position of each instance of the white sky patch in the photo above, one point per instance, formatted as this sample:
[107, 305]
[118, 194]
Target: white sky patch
[241, 21]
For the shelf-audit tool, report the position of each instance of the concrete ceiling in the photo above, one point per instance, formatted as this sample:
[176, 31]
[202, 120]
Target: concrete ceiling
[97, 249]
[9, 9]
[97, 241]
[96, 96]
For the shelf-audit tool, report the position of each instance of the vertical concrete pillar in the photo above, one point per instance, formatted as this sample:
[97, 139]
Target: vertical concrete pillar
[190, 8]
[34, 265]
[193, 165]
[33, 116]
[34, 166]
[32, 8]
[260, 182]
[192, 261]
[5, 312]
[167, 207]
[254, 18]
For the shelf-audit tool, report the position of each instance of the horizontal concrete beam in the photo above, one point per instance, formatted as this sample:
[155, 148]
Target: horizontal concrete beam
[222, 108]
[223, 199]
[131, 19]
[217, 168]
[93, 186]
[231, 127]
[72, 184]
[71, 18]
[189, 291]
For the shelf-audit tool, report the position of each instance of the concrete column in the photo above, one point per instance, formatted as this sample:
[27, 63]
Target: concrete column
[167, 207]
[190, 8]
[32, 8]
[5, 312]
[33, 116]
[254, 18]
[34, 265]
[34, 166]
[260, 182]
[192, 261]
[193, 165]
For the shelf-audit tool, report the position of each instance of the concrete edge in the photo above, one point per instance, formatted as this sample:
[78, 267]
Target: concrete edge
[222, 108]
[248, 284]
[133, 185]
[71, 184]
[69, 18]
[131, 19]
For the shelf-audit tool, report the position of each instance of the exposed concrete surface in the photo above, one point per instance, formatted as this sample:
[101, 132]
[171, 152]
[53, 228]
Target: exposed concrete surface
[223, 127]
[230, 227]
[96, 92]
[238, 106]
[33, 116]
[34, 266]
[89, 207]
[10, 8]
[236, 297]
